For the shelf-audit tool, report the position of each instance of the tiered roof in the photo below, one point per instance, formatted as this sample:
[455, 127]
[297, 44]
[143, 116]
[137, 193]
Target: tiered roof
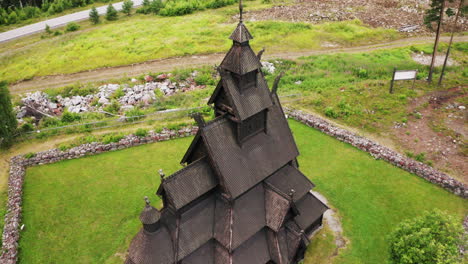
[241, 198]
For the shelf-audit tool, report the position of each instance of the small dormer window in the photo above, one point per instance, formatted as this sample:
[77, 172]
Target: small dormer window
[246, 81]
[252, 126]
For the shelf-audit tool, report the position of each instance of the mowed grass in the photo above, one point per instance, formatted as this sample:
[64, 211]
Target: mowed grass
[86, 210]
[144, 37]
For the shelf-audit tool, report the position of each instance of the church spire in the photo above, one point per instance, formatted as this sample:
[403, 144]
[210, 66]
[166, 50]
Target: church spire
[241, 34]
[241, 11]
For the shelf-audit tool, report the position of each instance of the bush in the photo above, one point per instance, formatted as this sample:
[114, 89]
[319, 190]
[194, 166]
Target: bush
[112, 138]
[68, 117]
[8, 121]
[29, 155]
[330, 112]
[133, 115]
[27, 127]
[141, 132]
[111, 13]
[94, 16]
[433, 237]
[219, 3]
[127, 7]
[113, 108]
[180, 8]
[72, 27]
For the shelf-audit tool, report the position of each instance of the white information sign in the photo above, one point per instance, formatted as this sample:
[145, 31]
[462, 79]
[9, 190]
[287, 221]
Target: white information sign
[405, 75]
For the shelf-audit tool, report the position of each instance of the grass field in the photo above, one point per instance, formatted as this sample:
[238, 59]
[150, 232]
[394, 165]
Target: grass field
[86, 210]
[143, 37]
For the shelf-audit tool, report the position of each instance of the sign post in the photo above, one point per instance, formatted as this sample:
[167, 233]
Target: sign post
[404, 75]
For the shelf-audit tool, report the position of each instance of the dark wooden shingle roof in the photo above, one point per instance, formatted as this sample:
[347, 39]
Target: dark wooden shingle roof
[241, 167]
[310, 209]
[241, 34]
[189, 183]
[249, 102]
[149, 248]
[253, 251]
[290, 178]
[241, 59]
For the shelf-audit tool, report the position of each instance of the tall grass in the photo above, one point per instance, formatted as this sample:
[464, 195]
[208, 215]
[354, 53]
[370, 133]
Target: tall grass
[141, 38]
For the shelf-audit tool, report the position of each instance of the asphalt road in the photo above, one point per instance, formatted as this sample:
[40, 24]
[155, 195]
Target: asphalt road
[57, 22]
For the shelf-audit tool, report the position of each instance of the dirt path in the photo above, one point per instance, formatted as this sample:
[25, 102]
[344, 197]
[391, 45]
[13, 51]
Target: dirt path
[163, 65]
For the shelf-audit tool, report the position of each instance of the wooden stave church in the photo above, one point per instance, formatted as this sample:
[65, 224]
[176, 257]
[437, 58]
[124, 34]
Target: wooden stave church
[240, 199]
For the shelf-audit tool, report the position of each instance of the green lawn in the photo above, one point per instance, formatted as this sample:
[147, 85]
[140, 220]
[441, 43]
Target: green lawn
[86, 210]
[143, 37]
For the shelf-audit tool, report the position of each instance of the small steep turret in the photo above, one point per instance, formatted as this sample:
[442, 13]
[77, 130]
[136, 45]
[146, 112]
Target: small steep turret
[150, 217]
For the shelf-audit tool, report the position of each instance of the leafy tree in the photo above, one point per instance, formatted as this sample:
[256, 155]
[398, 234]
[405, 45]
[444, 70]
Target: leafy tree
[111, 13]
[127, 7]
[432, 238]
[155, 6]
[12, 18]
[94, 15]
[7, 117]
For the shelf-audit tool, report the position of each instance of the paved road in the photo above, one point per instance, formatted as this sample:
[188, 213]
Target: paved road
[57, 22]
[165, 65]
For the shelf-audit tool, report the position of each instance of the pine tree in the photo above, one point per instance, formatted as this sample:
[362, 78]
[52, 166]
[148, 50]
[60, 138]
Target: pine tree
[7, 117]
[111, 13]
[94, 16]
[127, 7]
[436, 14]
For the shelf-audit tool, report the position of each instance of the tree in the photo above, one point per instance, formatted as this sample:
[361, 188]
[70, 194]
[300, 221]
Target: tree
[436, 14]
[111, 13]
[434, 237]
[7, 117]
[94, 15]
[12, 18]
[454, 26]
[127, 7]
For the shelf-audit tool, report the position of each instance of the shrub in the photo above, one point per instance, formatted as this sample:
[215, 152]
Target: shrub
[219, 3]
[72, 27]
[118, 93]
[180, 8]
[141, 132]
[421, 157]
[27, 127]
[68, 117]
[8, 121]
[29, 155]
[127, 7]
[133, 115]
[111, 13]
[48, 30]
[330, 112]
[112, 138]
[94, 16]
[433, 237]
[113, 107]
[12, 18]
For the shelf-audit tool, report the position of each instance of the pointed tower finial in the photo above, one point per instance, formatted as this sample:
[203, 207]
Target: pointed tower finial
[291, 193]
[241, 10]
[147, 201]
[161, 174]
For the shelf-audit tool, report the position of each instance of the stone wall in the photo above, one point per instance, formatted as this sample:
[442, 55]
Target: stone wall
[380, 152]
[18, 165]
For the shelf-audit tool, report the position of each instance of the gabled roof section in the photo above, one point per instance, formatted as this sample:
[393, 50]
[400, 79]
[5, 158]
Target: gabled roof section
[196, 227]
[189, 183]
[241, 59]
[241, 167]
[276, 208]
[310, 209]
[236, 223]
[151, 247]
[290, 178]
[203, 255]
[253, 251]
[241, 33]
[249, 102]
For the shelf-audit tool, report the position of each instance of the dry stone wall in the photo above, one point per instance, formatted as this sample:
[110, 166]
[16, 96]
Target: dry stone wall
[18, 165]
[380, 152]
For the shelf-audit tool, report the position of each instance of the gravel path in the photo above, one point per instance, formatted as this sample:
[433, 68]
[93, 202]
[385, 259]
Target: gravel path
[57, 22]
[165, 65]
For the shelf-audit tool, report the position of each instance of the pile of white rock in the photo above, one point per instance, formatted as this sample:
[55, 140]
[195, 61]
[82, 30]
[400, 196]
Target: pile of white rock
[268, 67]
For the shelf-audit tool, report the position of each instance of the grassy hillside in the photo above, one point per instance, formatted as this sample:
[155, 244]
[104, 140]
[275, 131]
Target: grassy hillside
[86, 210]
[144, 37]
